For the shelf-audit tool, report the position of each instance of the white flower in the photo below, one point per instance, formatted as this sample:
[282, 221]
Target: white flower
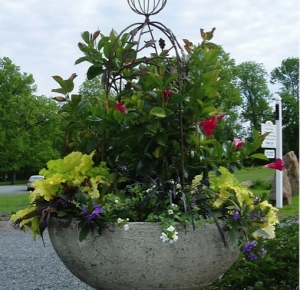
[178, 186]
[164, 237]
[171, 181]
[175, 237]
[148, 190]
[174, 205]
[126, 227]
[170, 211]
[116, 201]
[119, 220]
[170, 229]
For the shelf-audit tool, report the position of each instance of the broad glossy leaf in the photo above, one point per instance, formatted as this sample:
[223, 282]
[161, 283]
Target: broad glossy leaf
[158, 152]
[153, 126]
[176, 98]
[94, 71]
[158, 112]
[161, 138]
[68, 86]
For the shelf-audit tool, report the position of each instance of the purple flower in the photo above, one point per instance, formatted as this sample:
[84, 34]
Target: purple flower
[249, 247]
[263, 251]
[252, 257]
[252, 251]
[235, 216]
[97, 210]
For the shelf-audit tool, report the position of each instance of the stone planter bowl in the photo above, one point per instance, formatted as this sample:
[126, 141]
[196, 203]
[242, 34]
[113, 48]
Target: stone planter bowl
[137, 259]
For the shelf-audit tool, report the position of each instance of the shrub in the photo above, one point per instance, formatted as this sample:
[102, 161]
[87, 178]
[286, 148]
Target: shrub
[278, 269]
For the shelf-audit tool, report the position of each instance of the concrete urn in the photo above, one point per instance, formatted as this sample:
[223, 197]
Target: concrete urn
[137, 259]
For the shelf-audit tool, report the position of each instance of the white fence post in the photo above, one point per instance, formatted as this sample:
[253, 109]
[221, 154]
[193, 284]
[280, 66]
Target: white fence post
[279, 184]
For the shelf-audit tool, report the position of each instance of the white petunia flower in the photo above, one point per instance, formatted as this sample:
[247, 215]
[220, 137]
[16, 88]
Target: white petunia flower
[164, 237]
[119, 220]
[116, 201]
[170, 229]
[170, 211]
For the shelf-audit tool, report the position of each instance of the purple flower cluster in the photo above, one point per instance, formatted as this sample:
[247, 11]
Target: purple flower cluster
[236, 214]
[257, 216]
[97, 209]
[252, 252]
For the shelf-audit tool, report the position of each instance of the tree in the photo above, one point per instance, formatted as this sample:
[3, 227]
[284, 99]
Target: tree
[230, 99]
[287, 75]
[29, 124]
[252, 83]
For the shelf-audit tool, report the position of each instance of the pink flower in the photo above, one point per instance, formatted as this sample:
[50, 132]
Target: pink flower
[238, 143]
[278, 164]
[210, 124]
[121, 107]
[167, 94]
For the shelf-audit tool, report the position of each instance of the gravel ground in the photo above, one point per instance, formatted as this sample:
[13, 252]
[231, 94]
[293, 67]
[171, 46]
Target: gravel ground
[28, 265]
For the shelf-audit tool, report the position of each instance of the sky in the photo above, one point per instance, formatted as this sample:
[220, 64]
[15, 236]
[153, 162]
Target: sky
[41, 37]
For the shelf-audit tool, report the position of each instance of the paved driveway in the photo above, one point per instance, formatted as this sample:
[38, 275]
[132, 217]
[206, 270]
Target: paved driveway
[11, 189]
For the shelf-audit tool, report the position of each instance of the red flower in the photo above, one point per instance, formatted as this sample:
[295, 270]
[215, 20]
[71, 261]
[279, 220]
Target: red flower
[167, 94]
[210, 124]
[121, 107]
[238, 143]
[278, 164]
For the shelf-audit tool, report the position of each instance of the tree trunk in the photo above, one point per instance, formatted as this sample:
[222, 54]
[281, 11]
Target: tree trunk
[13, 177]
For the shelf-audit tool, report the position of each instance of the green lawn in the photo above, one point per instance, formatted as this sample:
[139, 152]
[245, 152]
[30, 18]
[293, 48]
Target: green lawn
[255, 173]
[13, 202]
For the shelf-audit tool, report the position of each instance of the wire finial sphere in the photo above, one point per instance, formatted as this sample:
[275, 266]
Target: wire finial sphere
[147, 7]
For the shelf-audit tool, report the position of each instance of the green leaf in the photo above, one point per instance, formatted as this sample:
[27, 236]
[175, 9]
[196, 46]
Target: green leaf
[58, 79]
[125, 37]
[81, 59]
[83, 232]
[81, 105]
[158, 152]
[59, 90]
[94, 119]
[61, 213]
[85, 36]
[259, 156]
[76, 98]
[158, 112]
[262, 233]
[176, 98]
[153, 126]
[234, 237]
[162, 138]
[94, 71]
[113, 35]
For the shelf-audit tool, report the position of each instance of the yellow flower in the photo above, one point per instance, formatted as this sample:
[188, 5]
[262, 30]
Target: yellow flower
[270, 230]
